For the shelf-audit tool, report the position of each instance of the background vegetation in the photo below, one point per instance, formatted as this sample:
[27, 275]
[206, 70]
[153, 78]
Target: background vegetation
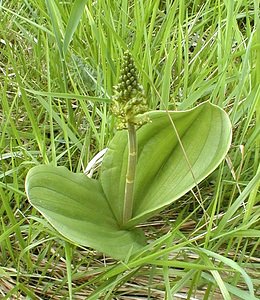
[56, 78]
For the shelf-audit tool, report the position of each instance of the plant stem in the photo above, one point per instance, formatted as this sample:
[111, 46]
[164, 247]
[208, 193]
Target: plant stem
[130, 175]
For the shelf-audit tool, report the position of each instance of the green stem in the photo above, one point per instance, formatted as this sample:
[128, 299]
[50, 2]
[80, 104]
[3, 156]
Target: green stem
[130, 175]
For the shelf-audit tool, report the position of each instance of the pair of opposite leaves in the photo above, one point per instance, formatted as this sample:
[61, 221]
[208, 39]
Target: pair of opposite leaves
[89, 212]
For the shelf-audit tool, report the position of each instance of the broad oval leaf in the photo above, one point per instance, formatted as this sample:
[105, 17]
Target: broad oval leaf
[76, 207]
[176, 151]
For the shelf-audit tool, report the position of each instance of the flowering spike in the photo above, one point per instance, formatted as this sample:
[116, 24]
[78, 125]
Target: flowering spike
[129, 101]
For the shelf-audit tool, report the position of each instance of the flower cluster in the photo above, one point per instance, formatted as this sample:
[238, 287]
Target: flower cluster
[129, 102]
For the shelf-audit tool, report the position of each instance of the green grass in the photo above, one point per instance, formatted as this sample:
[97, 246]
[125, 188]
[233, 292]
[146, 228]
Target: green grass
[56, 77]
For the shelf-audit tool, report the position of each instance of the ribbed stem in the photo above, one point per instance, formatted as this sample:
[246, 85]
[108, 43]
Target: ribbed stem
[130, 175]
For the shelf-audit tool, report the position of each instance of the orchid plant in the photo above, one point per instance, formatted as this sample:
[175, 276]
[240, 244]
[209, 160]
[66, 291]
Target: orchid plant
[154, 158]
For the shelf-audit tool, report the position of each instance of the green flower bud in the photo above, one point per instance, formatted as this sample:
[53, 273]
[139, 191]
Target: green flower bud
[129, 102]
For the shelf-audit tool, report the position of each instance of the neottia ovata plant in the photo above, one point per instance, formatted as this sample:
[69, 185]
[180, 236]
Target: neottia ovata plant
[149, 164]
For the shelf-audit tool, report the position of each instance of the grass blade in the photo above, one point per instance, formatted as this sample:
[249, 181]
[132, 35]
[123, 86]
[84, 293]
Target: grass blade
[76, 13]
